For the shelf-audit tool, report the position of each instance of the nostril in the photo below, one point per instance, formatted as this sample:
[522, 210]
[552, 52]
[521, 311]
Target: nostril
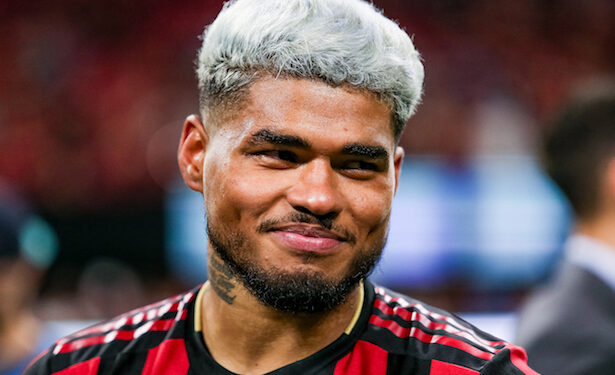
[303, 210]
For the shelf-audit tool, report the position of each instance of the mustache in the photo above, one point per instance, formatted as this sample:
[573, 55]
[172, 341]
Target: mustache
[327, 222]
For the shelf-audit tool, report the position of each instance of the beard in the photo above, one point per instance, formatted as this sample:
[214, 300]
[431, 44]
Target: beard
[294, 292]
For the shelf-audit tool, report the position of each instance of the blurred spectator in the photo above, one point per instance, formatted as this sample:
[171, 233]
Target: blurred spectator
[27, 247]
[568, 327]
[88, 87]
[108, 287]
[91, 92]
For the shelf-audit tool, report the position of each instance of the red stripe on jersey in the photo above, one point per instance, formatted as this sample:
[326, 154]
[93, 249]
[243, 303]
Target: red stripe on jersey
[415, 332]
[158, 360]
[519, 358]
[422, 318]
[136, 316]
[403, 303]
[365, 358]
[89, 367]
[443, 368]
[156, 325]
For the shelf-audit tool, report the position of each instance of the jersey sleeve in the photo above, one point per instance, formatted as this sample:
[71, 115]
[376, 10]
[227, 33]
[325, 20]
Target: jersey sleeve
[39, 365]
[511, 360]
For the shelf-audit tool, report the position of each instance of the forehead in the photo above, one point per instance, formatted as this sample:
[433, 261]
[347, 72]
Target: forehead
[311, 109]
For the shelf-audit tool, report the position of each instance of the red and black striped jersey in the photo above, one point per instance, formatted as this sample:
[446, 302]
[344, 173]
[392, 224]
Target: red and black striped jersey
[391, 334]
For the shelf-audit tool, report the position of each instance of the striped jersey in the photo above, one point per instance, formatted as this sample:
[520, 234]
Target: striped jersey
[390, 334]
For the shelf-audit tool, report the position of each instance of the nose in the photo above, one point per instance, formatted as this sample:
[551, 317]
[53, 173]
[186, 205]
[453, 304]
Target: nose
[316, 190]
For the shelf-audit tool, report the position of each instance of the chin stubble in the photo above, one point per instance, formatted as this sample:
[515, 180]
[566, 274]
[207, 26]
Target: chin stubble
[297, 292]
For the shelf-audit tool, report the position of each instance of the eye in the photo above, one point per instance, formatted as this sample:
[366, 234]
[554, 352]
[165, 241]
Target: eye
[277, 158]
[360, 165]
[288, 156]
[360, 169]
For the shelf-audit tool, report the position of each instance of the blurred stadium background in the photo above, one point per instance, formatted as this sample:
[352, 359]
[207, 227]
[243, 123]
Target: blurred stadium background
[93, 95]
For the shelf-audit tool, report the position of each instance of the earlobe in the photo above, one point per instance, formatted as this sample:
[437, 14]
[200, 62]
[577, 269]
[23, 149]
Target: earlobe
[191, 152]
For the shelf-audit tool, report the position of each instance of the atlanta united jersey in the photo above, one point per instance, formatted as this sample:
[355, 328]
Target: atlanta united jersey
[389, 334]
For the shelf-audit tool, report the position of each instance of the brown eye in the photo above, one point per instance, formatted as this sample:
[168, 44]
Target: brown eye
[361, 165]
[287, 156]
[282, 155]
[276, 159]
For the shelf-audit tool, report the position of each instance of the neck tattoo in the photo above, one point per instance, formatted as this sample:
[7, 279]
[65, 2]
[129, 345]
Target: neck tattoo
[221, 279]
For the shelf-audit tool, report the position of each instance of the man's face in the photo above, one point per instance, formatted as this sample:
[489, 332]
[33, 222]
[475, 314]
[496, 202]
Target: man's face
[298, 183]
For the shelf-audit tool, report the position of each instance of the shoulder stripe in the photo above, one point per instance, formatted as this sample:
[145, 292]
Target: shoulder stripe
[151, 326]
[456, 326]
[416, 333]
[148, 319]
[462, 335]
[133, 317]
[422, 318]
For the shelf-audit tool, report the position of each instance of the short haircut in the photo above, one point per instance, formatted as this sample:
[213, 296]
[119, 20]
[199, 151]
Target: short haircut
[341, 42]
[579, 143]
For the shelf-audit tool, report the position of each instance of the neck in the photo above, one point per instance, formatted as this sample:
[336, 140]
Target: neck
[247, 337]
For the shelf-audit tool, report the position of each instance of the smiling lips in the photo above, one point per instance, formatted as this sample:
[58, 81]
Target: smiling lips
[308, 238]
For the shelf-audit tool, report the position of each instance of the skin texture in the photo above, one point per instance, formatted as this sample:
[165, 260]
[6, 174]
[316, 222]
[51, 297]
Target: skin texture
[299, 183]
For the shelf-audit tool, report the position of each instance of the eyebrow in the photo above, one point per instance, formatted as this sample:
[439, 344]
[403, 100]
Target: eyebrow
[353, 149]
[269, 136]
[372, 152]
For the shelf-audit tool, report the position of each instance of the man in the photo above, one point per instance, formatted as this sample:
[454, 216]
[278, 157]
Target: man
[295, 152]
[568, 327]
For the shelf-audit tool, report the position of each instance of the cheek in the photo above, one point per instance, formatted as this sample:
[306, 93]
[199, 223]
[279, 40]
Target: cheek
[234, 196]
[372, 208]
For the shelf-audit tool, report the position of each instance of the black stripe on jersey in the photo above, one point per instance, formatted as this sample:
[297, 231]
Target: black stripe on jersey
[117, 350]
[124, 363]
[125, 322]
[125, 327]
[451, 320]
[135, 333]
[441, 332]
[421, 351]
[401, 364]
[501, 365]
[453, 324]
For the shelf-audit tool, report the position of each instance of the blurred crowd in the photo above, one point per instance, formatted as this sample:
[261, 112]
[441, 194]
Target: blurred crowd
[93, 95]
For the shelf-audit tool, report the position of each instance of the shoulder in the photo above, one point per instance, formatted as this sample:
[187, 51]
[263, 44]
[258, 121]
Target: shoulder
[408, 328]
[128, 335]
[573, 301]
[573, 297]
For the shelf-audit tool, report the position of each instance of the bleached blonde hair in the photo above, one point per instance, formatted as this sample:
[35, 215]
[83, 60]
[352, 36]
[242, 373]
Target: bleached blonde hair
[341, 42]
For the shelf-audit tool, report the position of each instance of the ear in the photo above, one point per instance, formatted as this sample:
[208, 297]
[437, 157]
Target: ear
[610, 180]
[398, 158]
[191, 152]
